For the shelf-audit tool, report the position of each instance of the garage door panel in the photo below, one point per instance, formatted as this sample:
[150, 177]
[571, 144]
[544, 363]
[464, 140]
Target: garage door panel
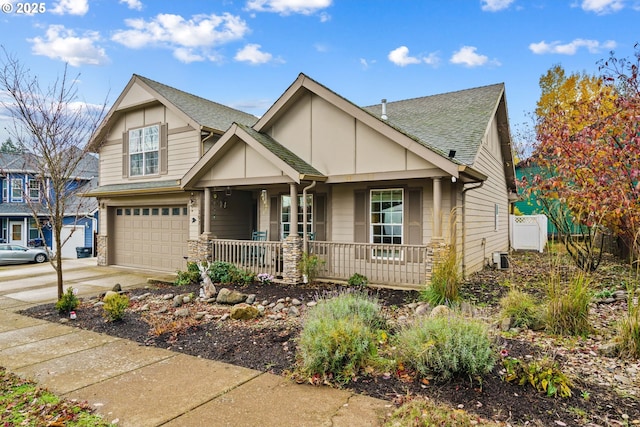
[144, 239]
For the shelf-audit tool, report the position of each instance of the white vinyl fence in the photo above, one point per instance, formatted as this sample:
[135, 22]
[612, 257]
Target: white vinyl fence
[528, 232]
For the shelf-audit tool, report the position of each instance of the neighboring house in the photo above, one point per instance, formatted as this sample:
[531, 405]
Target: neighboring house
[23, 192]
[382, 186]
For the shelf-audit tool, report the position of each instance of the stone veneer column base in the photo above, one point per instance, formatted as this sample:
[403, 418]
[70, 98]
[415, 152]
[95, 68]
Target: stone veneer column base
[199, 249]
[291, 254]
[102, 250]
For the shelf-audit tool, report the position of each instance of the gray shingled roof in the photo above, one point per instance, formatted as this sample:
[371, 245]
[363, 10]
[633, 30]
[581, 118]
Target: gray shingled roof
[207, 113]
[282, 152]
[449, 121]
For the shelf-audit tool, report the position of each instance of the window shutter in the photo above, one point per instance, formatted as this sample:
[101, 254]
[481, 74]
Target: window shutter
[274, 219]
[360, 234]
[413, 227]
[320, 217]
[163, 154]
[414, 217]
[125, 154]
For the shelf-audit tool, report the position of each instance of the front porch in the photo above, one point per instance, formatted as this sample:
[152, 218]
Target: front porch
[382, 264]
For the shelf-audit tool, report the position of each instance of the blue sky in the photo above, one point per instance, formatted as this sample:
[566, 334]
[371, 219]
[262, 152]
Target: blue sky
[245, 53]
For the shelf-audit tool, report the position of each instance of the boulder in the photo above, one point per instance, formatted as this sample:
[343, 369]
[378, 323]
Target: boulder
[108, 295]
[440, 311]
[117, 288]
[243, 311]
[182, 312]
[228, 296]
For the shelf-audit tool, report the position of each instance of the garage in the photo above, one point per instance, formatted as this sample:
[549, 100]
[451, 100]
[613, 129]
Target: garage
[153, 237]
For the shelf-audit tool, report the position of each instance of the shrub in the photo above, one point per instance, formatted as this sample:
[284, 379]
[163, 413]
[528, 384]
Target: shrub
[115, 306]
[544, 375]
[445, 281]
[310, 265]
[358, 280]
[191, 276]
[446, 346]
[264, 278]
[226, 273]
[628, 338]
[423, 412]
[568, 307]
[68, 302]
[521, 308]
[339, 337]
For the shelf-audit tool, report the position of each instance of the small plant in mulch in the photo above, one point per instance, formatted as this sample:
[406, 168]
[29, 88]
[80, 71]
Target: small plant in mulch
[544, 375]
[115, 306]
[522, 309]
[358, 280]
[446, 346]
[189, 277]
[68, 302]
[444, 287]
[264, 278]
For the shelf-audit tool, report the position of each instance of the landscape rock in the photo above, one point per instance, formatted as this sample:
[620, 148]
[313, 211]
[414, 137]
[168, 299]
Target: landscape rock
[620, 295]
[228, 296]
[167, 297]
[117, 288]
[251, 298]
[422, 310]
[243, 311]
[505, 324]
[182, 312]
[293, 311]
[440, 311]
[177, 301]
[609, 349]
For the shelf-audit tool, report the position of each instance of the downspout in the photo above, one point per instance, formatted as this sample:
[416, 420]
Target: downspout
[464, 221]
[305, 243]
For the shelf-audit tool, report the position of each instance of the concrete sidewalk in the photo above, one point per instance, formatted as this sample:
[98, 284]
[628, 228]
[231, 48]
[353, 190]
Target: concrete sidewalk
[139, 386]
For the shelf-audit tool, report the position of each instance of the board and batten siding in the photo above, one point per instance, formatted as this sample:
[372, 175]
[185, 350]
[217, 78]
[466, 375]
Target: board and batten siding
[481, 236]
[337, 144]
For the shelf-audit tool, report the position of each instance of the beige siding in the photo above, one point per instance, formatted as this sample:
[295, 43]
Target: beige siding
[317, 131]
[481, 237]
[134, 96]
[183, 145]
[257, 166]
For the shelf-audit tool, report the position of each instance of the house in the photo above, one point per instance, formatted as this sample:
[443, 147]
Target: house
[24, 191]
[378, 190]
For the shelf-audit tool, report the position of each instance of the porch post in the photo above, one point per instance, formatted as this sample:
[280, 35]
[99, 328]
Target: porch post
[437, 208]
[293, 215]
[292, 245]
[207, 211]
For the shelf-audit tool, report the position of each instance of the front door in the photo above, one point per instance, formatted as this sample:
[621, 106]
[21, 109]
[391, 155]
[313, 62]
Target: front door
[15, 232]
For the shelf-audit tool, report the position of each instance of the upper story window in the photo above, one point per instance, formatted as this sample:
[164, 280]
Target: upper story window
[34, 189]
[144, 147]
[5, 191]
[16, 189]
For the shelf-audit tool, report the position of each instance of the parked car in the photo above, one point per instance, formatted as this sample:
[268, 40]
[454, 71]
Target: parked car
[17, 254]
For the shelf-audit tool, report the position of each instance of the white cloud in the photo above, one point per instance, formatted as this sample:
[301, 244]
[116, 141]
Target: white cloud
[251, 53]
[495, 5]
[61, 43]
[468, 57]
[133, 4]
[593, 46]
[287, 7]
[400, 57]
[432, 59]
[70, 7]
[187, 38]
[602, 7]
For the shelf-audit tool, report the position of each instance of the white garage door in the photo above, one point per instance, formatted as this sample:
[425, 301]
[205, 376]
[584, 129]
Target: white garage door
[76, 240]
[151, 236]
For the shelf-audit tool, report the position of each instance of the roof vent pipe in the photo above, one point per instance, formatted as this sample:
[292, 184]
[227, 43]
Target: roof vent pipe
[384, 110]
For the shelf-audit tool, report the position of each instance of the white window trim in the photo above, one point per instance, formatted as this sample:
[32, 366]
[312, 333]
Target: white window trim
[300, 222]
[144, 152]
[37, 188]
[374, 253]
[20, 187]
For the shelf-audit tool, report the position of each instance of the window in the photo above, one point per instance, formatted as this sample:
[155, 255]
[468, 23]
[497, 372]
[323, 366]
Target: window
[144, 146]
[16, 190]
[34, 233]
[34, 189]
[5, 190]
[387, 214]
[285, 215]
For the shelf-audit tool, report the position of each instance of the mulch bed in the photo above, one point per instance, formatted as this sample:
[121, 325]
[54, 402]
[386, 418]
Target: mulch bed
[269, 345]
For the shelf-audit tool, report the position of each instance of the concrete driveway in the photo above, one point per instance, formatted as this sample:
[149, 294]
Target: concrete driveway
[37, 283]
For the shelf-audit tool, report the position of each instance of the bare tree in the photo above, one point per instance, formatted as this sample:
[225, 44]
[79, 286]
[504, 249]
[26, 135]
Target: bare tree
[55, 127]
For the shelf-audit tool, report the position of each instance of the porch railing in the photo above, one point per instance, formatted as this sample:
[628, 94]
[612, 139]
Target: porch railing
[256, 256]
[382, 264]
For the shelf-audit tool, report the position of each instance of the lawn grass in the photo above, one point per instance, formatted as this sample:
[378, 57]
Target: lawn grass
[23, 403]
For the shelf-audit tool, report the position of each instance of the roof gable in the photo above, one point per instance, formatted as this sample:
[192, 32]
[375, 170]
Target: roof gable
[199, 112]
